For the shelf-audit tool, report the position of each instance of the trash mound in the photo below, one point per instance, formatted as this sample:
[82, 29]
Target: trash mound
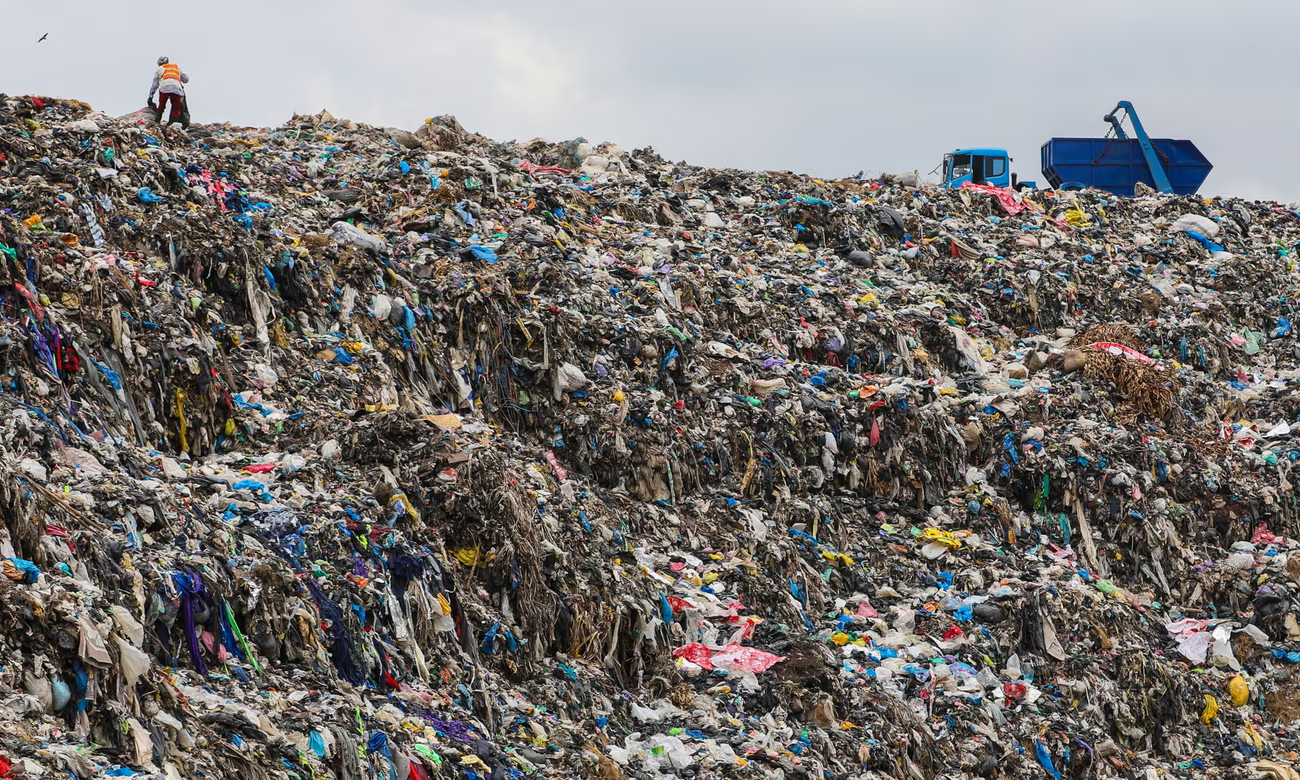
[338, 451]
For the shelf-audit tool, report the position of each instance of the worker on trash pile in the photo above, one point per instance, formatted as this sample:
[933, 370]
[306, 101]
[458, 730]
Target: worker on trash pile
[169, 82]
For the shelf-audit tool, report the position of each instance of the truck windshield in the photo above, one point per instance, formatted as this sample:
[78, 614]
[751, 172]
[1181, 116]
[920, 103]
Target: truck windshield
[960, 166]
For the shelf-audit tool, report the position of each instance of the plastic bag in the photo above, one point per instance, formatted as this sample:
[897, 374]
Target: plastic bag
[969, 350]
[672, 748]
[1239, 690]
[22, 571]
[732, 658]
[662, 709]
[570, 378]
[39, 688]
[1211, 710]
[486, 254]
[135, 663]
[347, 234]
[1195, 222]
[1045, 759]
[128, 624]
[60, 694]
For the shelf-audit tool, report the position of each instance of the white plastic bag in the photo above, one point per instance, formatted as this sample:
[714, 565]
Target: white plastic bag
[128, 624]
[135, 663]
[1196, 223]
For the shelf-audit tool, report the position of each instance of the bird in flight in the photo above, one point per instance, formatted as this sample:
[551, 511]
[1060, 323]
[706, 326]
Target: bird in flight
[43, 37]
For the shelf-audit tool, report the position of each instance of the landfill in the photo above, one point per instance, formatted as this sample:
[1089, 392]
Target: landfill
[334, 451]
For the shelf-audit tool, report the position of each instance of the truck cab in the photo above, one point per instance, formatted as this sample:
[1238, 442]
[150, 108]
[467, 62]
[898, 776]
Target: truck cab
[979, 166]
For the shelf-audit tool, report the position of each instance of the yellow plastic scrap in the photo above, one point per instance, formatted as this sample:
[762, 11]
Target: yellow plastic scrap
[1239, 691]
[1077, 218]
[399, 496]
[472, 557]
[942, 537]
[1253, 734]
[1211, 710]
[837, 558]
[180, 415]
[34, 222]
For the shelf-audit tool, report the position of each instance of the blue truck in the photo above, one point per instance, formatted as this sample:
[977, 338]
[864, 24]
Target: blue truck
[1115, 163]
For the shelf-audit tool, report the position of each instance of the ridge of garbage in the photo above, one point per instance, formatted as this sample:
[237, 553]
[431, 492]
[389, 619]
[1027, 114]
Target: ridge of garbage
[339, 451]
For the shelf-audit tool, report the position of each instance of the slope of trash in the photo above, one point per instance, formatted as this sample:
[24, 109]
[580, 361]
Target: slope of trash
[336, 451]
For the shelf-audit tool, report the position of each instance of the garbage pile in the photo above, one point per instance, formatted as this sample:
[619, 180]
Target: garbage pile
[338, 451]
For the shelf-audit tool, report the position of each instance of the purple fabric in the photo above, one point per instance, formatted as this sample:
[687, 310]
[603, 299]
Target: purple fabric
[452, 728]
[189, 586]
[191, 635]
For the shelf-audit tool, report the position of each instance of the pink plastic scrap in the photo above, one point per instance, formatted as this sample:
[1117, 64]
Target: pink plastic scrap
[1006, 197]
[1121, 350]
[1192, 636]
[528, 167]
[731, 658]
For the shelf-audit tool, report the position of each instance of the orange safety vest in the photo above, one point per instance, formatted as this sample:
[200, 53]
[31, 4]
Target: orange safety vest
[171, 71]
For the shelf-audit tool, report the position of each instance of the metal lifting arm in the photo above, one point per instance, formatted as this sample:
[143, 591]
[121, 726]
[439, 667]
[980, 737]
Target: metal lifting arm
[1144, 141]
[1117, 123]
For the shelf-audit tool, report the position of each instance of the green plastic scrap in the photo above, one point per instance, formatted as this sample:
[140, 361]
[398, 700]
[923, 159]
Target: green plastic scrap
[429, 753]
[239, 637]
[1252, 339]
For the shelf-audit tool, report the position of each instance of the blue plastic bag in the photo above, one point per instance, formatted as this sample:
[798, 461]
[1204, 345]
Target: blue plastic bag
[1045, 758]
[29, 571]
[1209, 245]
[254, 487]
[1009, 444]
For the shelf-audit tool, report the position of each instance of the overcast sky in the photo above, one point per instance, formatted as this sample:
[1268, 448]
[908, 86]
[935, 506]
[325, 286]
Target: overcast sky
[827, 87]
